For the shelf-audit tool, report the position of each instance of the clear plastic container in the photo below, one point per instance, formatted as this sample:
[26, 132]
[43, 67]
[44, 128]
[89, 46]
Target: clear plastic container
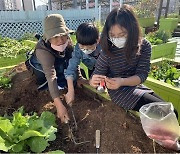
[160, 124]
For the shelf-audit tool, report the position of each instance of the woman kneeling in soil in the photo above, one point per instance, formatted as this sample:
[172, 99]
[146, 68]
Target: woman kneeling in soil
[51, 58]
[125, 61]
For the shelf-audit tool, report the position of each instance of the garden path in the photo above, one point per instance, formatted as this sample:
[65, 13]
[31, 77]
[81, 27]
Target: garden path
[177, 56]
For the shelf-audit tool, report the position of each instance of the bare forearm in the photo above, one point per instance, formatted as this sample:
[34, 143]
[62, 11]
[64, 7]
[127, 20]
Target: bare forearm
[131, 81]
[57, 102]
[70, 84]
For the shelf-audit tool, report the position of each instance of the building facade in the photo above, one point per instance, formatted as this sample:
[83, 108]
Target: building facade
[27, 5]
[16, 5]
[42, 7]
[2, 6]
[7, 5]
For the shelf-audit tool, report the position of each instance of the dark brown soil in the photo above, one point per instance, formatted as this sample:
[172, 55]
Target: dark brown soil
[120, 131]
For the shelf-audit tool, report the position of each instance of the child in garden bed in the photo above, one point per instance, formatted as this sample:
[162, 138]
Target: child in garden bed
[86, 51]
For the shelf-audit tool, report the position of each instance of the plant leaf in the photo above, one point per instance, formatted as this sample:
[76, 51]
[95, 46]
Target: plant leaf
[18, 147]
[56, 151]
[5, 125]
[3, 145]
[36, 124]
[48, 118]
[50, 133]
[5, 136]
[30, 133]
[37, 144]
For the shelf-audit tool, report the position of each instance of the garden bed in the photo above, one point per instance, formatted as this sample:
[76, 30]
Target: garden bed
[168, 24]
[167, 50]
[13, 52]
[120, 132]
[146, 22]
[168, 92]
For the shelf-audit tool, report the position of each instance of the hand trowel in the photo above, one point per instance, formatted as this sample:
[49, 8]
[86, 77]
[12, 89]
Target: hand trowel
[97, 141]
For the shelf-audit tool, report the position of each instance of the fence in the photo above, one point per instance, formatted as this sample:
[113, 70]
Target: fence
[15, 24]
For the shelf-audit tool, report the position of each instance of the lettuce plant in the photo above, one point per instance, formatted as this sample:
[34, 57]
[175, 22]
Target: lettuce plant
[10, 48]
[27, 133]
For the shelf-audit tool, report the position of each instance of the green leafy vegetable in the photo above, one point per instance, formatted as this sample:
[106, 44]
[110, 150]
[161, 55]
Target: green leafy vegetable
[21, 132]
[158, 37]
[11, 48]
[5, 82]
[167, 72]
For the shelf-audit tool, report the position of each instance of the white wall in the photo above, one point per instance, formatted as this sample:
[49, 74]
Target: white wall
[15, 24]
[28, 5]
[21, 16]
[42, 7]
[2, 7]
[19, 5]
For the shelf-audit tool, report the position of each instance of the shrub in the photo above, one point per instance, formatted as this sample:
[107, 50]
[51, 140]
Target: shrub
[146, 8]
[158, 37]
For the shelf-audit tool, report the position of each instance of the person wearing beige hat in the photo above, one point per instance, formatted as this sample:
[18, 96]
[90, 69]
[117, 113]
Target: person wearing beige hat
[51, 58]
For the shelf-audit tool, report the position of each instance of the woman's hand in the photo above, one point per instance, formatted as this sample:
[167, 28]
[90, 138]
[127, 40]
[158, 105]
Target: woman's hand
[61, 110]
[96, 79]
[114, 83]
[69, 97]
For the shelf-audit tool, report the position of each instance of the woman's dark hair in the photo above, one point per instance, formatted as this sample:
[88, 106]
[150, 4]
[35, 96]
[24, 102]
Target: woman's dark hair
[126, 18]
[87, 34]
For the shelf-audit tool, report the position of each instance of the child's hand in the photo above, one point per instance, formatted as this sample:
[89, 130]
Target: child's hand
[69, 97]
[114, 83]
[96, 79]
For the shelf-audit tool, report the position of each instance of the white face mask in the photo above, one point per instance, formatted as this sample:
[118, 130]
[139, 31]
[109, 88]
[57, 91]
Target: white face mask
[60, 48]
[118, 42]
[87, 51]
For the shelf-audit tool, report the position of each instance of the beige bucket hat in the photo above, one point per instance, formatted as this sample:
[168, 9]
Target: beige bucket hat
[54, 25]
